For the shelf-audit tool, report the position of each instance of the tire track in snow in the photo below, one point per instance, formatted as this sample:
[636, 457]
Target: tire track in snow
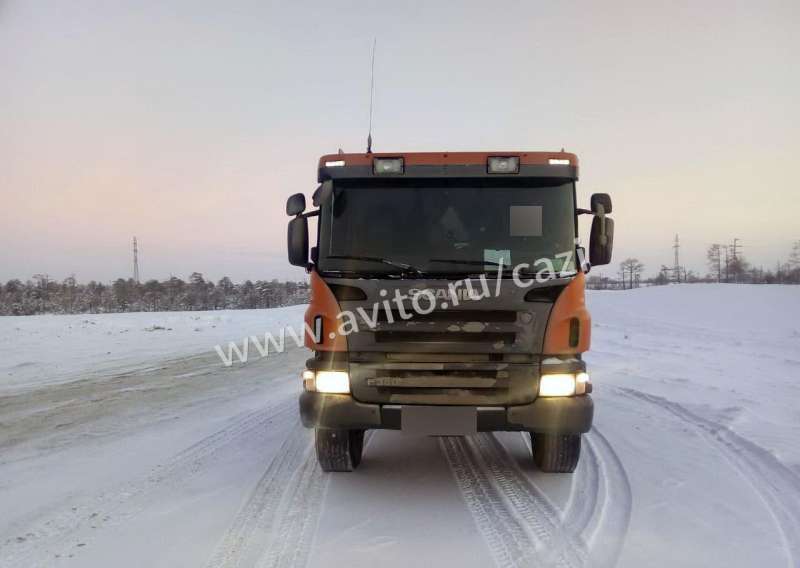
[581, 510]
[532, 505]
[611, 519]
[277, 523]
[777, 485]
[518, 523]
[600, 501]
[57, 532]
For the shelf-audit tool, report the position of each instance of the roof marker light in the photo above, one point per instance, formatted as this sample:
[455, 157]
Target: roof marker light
[558, 162]
[334, 164]
[503, 165]
[387, 166]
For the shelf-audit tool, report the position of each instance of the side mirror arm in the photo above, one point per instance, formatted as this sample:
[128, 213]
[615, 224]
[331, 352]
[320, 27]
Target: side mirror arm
[309, 214]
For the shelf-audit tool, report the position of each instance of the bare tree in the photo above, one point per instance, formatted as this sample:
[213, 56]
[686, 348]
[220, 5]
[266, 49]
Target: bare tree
[632, 268]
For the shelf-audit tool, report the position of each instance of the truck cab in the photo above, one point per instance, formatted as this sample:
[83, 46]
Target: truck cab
[447, 298]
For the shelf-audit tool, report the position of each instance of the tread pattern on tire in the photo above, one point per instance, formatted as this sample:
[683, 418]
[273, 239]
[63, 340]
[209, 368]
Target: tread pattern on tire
[556, 453]
[339, 450]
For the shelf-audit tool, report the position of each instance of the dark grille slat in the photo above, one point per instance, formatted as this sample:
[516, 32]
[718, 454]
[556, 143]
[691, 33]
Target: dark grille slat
[455, 315]
[507, 338]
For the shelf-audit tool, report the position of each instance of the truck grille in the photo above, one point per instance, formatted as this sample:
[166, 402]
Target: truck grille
[470, 381]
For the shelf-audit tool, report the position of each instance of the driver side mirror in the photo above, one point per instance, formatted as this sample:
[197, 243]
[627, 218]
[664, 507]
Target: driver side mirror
[297, 236]
[297, 241]
[601, 238]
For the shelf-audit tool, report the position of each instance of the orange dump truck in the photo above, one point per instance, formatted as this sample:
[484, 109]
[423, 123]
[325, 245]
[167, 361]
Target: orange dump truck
[447, 298]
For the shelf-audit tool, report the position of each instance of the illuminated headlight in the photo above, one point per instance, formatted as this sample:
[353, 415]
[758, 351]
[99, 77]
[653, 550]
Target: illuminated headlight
[334, 382]
[565, 384]
[503, 165]
[562, 384]
[382, 166]
[558, 162]
[334, 163]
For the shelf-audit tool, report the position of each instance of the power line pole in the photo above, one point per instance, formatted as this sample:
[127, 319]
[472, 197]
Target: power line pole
[727, 262]
[735, 258]
[135, 261]
[677, 268]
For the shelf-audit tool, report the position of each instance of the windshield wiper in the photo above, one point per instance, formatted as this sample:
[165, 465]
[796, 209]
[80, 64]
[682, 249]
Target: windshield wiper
[402, 265]
[506, 268]
[468, 262]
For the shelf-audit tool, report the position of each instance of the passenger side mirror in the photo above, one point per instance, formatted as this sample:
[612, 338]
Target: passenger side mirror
[296, 204]
[599, 199]
[297, 239]
[601, 240]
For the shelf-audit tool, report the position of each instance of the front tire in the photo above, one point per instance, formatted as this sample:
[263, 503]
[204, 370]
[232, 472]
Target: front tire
[339, 450]
[556, 453]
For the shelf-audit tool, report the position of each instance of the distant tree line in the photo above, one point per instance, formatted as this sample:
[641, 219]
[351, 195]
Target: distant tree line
[723, 266]
[41, 295]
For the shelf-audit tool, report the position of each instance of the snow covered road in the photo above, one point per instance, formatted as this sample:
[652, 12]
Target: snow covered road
[694, 459]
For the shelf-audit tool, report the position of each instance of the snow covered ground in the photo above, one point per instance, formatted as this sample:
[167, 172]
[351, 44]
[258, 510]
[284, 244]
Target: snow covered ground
[47, 349]
[157, 455]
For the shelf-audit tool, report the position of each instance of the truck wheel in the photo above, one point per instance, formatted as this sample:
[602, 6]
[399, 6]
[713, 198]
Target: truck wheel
[339, 450]
[556, 453]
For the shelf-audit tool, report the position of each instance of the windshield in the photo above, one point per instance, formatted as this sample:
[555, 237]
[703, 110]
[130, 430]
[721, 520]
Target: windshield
[447, 226]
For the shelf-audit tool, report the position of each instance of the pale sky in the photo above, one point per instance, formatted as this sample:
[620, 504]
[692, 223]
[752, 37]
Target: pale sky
[187, 124]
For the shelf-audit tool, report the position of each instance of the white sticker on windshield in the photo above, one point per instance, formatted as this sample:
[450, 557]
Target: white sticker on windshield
[494, 257]
[525, 220]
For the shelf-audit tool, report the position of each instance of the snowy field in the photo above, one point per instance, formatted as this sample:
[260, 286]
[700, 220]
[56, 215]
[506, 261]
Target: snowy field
[124, 444]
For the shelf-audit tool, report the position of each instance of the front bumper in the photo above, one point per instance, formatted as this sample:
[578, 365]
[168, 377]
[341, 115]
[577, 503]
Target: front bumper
[557, 415]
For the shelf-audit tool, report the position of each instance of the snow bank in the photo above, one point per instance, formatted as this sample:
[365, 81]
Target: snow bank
[57, 348]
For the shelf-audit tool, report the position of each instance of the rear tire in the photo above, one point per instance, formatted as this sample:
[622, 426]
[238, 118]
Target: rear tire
[339, 450]
[556, 453]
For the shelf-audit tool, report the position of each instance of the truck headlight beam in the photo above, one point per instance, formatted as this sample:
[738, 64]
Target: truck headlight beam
[331, 382]
[564, 384]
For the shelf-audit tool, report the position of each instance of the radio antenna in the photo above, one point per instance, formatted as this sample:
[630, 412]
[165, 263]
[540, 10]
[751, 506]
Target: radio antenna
[371, 96]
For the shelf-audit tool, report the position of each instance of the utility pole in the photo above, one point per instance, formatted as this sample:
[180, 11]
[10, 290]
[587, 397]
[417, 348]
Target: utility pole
[135, 261]
[727, 261]
[677, 268]
[735, 257]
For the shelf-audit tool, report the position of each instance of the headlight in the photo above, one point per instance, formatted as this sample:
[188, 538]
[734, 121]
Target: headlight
[334, 382]
[565, 384]
[562, 384]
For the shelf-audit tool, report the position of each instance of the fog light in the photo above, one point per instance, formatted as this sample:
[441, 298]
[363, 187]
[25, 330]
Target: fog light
[562, 384]
[382, 166]
[332, 382]
[503, 165]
